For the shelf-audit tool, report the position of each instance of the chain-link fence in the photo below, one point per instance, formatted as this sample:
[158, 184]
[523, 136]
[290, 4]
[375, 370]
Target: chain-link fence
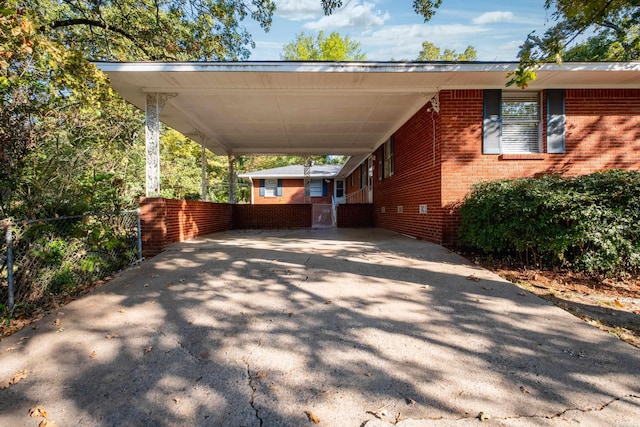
[45, 257]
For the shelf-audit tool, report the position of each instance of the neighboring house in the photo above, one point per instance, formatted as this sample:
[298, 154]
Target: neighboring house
[286, 185]
[421, 174]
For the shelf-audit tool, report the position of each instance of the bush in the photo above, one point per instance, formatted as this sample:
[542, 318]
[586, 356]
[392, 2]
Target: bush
[588, 223]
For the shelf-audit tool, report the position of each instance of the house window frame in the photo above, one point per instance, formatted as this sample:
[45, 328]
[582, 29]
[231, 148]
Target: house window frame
[270, 187]
[510, 146]
[389, 157]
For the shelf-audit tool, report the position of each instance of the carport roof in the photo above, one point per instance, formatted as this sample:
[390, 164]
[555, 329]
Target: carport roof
[347, 108]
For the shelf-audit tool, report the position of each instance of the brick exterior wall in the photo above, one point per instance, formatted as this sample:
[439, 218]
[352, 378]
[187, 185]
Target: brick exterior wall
[292, 193]
[272, 216]
[438, 156]
[165, 221]
[416, 180]
[355, 215]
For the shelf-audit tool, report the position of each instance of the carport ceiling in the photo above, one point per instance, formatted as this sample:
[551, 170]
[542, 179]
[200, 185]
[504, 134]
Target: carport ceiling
[320, 107]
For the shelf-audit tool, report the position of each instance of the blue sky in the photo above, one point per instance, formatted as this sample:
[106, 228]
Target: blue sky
[389, 29]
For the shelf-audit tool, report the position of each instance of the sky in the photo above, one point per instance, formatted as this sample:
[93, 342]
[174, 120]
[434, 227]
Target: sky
[390, 29]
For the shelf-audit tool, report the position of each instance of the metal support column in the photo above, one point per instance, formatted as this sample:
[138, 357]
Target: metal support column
[154, 105]
[307, 179]
[205, 180]
[232, 179]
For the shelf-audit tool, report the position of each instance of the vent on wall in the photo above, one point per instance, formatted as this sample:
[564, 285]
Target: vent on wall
[422, 209]
[383, 210]
[400, 209]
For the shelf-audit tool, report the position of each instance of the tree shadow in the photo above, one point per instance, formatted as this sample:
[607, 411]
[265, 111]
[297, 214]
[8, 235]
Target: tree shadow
[255, 328]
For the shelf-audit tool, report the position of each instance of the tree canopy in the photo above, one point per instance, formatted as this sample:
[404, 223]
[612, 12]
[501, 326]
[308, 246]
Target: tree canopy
[322, 48]
[430, 52]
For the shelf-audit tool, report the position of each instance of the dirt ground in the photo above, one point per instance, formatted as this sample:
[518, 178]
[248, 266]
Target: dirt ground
[612, 305]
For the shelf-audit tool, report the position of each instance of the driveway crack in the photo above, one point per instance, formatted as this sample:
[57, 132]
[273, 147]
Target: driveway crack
[252, 386]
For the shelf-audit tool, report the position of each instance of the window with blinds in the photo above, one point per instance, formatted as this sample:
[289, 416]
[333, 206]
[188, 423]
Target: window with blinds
[521, 122]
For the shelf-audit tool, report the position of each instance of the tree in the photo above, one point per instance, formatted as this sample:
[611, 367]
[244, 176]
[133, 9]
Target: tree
[613, 21]
[431, 52]
[332, 48]
[127, 30]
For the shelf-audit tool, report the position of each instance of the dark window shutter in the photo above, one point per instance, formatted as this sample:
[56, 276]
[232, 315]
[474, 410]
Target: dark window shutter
[262, 188]
[492, 120]
[324, 187]
[279, 189]
[555, 121]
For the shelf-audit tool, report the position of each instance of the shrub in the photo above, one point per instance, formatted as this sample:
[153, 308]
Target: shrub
[588, 223]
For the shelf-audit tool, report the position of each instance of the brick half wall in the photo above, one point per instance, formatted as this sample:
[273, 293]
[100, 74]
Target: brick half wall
[356, 215]
[271, 216]
[165, 221]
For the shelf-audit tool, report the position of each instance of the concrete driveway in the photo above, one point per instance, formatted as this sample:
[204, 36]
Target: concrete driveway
[347, 327]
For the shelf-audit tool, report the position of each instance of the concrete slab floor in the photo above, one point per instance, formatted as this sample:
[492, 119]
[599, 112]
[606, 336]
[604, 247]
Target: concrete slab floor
[347, 327]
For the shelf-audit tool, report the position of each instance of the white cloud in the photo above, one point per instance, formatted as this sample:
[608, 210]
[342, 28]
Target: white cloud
[494, 17]
[298, 10]
[405, 41]
[354, 14]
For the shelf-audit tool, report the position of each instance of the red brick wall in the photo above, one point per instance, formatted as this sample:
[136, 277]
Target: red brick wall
[602, 132]
[272, 216]
[355, 215]
[292, 193]
[416, 180]
[165, 221]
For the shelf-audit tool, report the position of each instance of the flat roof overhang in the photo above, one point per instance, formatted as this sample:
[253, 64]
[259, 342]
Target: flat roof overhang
[347, 108]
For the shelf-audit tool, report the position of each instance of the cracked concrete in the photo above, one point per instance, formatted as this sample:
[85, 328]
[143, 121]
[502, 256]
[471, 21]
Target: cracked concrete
[263, 328]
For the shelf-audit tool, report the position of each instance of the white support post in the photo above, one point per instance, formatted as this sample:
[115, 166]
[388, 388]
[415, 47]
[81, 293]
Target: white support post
[232, 179]
[155, 103]
[205, 181]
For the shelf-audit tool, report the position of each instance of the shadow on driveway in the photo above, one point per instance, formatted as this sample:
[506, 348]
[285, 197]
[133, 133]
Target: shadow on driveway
[262, 328]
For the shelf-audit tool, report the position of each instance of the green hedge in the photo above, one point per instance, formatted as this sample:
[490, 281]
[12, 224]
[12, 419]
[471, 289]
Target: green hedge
[588, 223]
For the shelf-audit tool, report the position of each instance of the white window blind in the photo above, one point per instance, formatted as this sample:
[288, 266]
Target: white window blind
[270, 187]
[520, 122]
[316, 188]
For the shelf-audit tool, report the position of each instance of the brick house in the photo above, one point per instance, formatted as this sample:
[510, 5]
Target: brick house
[286, 185]
[479, 135]
[419, 135]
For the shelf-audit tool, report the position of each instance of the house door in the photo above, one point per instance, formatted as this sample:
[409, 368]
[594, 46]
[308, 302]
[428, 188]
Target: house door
[338, 191]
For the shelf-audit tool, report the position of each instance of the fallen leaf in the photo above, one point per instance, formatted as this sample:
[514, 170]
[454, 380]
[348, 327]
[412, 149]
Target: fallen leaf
[148, 349]
[93, 355]
[524, 389]
[483, 416]
[312, 417]
[204, 355]
[522, 294]
[328, 302]
[38, 412]
[368, 374]
[15, 379]
[474, 278]
[488, 288]
[112, 336]
[122, 310]
[291, 314]
[57, 322]
[618, 303]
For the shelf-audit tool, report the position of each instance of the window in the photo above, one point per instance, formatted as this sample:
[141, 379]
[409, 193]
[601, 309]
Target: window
[521, 122]
[389, 157]
[270, 187]
[513, 125]
[339, 188]
[363, 175]
[317, 187]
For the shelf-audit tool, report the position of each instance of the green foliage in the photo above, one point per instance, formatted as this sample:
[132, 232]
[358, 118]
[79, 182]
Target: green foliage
[614, 22]
[426, 8]
[322, 48]
[430, 52]
[589, 223]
